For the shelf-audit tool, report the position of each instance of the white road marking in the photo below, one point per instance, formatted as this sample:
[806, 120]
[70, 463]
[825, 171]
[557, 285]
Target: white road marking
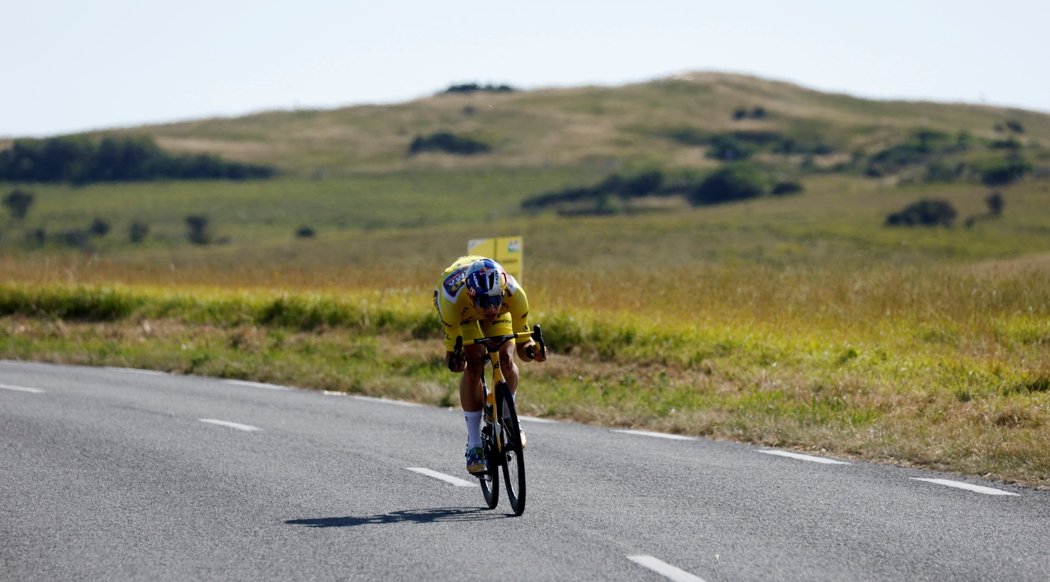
[537, 420]
[226, 423]
[802, 457]
[385, 401]
[255, 384]
[22, 389]
[967, 486]
[136, 371]
[664, 569]
[443, 477]
[660, 435]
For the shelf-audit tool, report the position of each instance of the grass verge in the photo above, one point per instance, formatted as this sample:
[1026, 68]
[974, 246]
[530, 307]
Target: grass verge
[934, 398]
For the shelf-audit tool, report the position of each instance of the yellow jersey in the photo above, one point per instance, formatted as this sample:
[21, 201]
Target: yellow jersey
[459, 316]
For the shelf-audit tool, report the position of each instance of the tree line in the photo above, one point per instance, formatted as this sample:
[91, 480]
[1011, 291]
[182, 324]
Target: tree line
[82, 160]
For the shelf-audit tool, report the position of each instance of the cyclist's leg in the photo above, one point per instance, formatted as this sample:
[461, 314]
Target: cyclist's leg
[509, 366]
[503, 326]
[471, 396]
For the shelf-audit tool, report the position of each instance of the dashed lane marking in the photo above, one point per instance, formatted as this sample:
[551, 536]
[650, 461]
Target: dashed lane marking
[443, 477]
[966, 486]
[228, 424]
[537, 420]
[136, 371]
[664, 569]
[385, 401]
[21, 389]
[262, 385]
[659, 435]
[802, 457]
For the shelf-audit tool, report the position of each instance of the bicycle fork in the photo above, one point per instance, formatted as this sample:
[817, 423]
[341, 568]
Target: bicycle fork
[493, 420]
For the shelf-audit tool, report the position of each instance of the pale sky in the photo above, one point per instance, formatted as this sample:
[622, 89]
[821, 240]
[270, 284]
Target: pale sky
[74, 65]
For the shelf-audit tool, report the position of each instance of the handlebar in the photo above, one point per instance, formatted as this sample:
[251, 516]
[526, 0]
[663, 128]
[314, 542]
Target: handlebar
[493, 343]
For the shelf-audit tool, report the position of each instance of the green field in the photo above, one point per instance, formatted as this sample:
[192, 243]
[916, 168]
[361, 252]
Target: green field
[798, 321]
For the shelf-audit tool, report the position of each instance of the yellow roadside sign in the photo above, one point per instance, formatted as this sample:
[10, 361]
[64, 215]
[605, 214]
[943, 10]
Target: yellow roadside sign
[508, 251]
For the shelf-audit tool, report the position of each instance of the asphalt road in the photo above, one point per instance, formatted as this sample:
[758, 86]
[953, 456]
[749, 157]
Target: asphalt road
[123, 474]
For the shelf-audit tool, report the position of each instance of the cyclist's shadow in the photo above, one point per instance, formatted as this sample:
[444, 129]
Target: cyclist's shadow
[419, 516]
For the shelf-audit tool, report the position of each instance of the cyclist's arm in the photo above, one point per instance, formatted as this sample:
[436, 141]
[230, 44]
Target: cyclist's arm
[518, 305]
[449, 313]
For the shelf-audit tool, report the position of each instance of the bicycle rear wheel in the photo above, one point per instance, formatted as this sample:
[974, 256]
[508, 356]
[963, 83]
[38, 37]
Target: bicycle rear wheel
[513, 459]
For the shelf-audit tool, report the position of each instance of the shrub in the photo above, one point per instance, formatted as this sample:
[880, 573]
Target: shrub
[305, 232]
[1015, 126]
[758, 112]
[915, 150]
[941, 171]
[18, 203]
[728, 149]
[137, 232]
[925, 212]
[995, 204]
[36, 237]
[739, 181]
[787, 188]
[197, 229]
[469, 88]
[75, 238]
[82, 160]
[1005, 171]
[644, 184]
[448, 143]
[98, 227]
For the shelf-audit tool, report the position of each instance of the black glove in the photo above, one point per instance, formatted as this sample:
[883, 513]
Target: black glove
[455, 362]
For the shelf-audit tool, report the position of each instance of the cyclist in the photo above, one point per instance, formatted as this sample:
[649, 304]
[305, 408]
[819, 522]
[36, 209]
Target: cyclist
[477, 298]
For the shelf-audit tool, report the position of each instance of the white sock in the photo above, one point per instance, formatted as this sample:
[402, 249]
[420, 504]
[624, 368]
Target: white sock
[473, 420]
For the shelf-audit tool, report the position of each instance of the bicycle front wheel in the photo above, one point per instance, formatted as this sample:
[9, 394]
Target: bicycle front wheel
[490, 479]
[513, 458]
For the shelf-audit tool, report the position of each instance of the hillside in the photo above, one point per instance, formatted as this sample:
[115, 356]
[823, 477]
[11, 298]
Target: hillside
[586, 126]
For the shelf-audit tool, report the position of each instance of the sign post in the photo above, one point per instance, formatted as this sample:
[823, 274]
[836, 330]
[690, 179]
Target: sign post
[508, 251]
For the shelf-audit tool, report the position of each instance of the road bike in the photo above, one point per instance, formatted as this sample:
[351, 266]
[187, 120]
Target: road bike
[500, 432]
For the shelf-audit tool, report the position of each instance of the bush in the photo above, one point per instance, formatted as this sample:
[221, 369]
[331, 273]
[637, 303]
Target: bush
[1005, 171]
[739, 181]
[941, 171]
[36, 237]
[448, 143]
[995, 203]
[469, 88]
[305, 232]
[728, 149]
[197, 229]
[137, 232]
[80, 239]
[741, 113]
[81, 160]
[787, 188]
[18, 203]
[644, 184]
[98, 227]
[916, 149]
[925, 212]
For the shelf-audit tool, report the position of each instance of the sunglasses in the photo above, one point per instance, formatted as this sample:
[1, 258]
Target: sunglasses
[486, 301]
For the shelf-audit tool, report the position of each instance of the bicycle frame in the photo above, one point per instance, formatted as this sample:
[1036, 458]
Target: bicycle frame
[501, 431]
[492, 346]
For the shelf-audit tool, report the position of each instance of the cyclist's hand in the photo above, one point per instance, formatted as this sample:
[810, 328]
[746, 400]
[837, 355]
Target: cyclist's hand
[455, 364]
[533, 353]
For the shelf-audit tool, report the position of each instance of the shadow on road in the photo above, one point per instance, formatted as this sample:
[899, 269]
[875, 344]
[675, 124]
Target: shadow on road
[444, 514]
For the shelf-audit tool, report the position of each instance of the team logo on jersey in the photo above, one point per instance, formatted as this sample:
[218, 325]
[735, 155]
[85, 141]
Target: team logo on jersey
[455, 281]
